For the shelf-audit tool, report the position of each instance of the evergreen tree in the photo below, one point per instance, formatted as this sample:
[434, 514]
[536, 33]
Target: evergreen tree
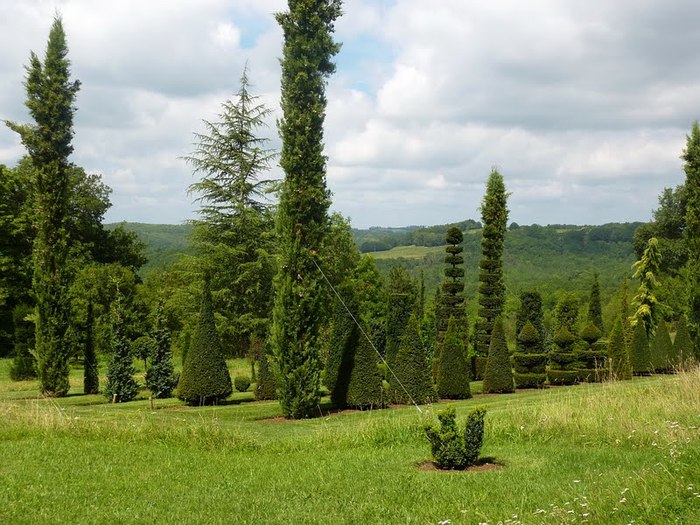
[205, 378]
[23, 365]
[50, 98]
[266, 387]
[498, 376]
[530, 310]
[365, 385]
[691, 156]
[303, 207]
[529, 360]
[344, 339]
[563, 362]
[160, 376]
[453, 369]
[683, 347]
[494, 216]
[566, 312]
[411, 378]
[401, 304]
[640, 353]
[663, 357]
[618, 357]
[121, 385]
[625, 313]
[590, 354]
[91, 373]
[595, 311]
[646, 270]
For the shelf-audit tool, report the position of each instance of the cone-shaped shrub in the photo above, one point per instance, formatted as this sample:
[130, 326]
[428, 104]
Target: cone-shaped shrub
[401, 302]
[590, 355]
[23, 365]
[411, 368]
[205, 378]
[266, 388]
[529, 361]
[498, 376]
[344, 338]
[365, 388]
[91, 376]
[453, 370]
[450, 448]
[619, 365]
[121, 385]
[563, 364]
[683, 347]
[640, 353]
[160, 377]
[663, 356]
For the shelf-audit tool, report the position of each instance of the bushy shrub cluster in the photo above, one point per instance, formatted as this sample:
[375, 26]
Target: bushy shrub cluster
[452, 449]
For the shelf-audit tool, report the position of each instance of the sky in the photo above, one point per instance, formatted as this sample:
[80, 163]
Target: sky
[583, 107]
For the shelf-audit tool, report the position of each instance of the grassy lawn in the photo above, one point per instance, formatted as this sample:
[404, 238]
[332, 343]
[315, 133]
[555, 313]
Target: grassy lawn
[603, 453]
[407, 252]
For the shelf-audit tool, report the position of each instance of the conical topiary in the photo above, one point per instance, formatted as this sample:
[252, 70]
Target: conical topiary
[453, 370]
[266, 387]
[619, 365]
[23, 365]
[160, 376]
[498, 376]
[640, 354]
[683, 346]
[662, 350]
[91, 376]
[529, 361]
[205, 378]
[563, 363]
[344, 338]
[590, 354]
[411, 379]
[121, 385]
[365, 387]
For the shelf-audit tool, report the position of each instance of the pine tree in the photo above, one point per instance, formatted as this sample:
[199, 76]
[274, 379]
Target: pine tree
[683, 347]
[640, 353]
[50, 98]
[401, 304]
[91, 375]
[563, 362]
[365, 385]
[160, 376]
[121, 385]
[498, 376]
[453, 369]
[303, 206]
[205, 378]
[494, 216]
[411, 379]
[663, 356]
[691, 156]
[619, 365]
[529, 360]
[595, 311]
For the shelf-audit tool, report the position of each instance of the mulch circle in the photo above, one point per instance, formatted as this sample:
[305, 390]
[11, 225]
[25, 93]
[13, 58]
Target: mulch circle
[484, 465]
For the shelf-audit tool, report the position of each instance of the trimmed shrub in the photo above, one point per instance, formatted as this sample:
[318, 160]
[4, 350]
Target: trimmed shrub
[640, 354]
[121, 385]
[401, 302]
[205, 379]
[343, 340]
[683, 346]
[365, 387]
[498, 376]
[160, 376]
[453, 370]
[91, 375]
[529, 361]
[450, 449]
[411, 368]
[563, 361]
[663, 355]
[241, 383]
[590, 355]
[266, 388]
[619, 365]
[23, 365]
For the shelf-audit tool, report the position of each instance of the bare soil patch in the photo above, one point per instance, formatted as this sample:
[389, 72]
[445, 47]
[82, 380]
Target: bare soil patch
[483, 465]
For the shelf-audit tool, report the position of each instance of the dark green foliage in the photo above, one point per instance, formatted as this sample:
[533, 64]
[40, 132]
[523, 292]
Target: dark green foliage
[143, 348]
[530, 310]
[590, 355]
[411, 379]
[401, 303]
[494, 216]
[50, 98]
[205, 378]
[640, 353]
[595, 311]
[365, 386]
[91, 373]
[529, 361]
[303, 204]
[266, 387]
[160, 376]
[683, 347]
[453, 370]
[121, 385]
[450, 448]
[619, 365]
[241, 383]
[344, 338]
[498, 376]
[452, 298]
[590, 333]
[663, 355]
[23, 365]
[566, 312]
[563, 362]
[691, 156]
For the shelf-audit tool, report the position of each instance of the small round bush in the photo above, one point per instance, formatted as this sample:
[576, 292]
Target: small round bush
[242, 383]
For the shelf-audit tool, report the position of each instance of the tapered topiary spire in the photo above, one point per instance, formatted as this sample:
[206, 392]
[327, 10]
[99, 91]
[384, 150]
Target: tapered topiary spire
[498, 376]
[411, 379]
[683, 346]
[530, 360]
[640, 354]
[618, 357]
[365, 387]
[205, 378]
[662, 352]
[453, 370]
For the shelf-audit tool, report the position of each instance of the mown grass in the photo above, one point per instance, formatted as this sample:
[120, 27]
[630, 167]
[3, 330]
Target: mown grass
[604, 453]
[407, 252]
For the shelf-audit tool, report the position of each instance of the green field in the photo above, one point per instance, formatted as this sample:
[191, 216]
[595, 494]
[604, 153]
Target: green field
[603, 453]
[408, 252]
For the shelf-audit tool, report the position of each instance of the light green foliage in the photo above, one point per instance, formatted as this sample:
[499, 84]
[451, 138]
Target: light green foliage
[302, 217]
[619, 365]
[498, 376]
[640, 353]
[452, 449]
[494, 216]
[412, 378]
[205, 379]
[160, 376]
[121, 385]
[646, 305]
[453, 369]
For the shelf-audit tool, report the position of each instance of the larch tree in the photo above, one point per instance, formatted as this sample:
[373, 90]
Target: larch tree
[646, 269]
[691, 156]
[50, 99]
[302, 219]
[494, 216]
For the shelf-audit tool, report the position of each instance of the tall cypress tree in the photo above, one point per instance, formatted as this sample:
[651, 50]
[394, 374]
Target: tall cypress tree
[160, 377]
[50, 97]
[595, 311]
[494, 216]
[303, 208]
[691, 156]
[121, 385]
